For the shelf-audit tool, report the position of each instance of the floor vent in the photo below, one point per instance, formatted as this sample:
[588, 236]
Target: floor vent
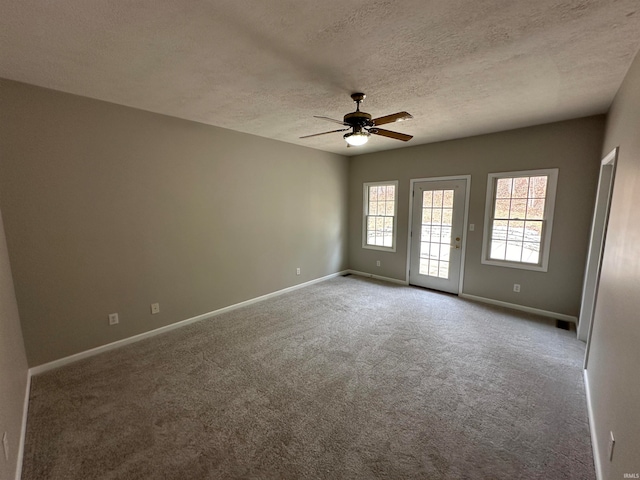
[346, 275]
[563, 325]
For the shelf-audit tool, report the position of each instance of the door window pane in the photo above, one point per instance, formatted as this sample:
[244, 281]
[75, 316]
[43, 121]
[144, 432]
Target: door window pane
[437, 216]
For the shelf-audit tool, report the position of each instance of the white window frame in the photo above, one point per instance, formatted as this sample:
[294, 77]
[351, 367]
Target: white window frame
[365, 214]
[547, 221]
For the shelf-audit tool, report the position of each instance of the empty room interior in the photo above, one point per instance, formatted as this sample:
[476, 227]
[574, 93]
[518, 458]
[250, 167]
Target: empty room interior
[382, 239]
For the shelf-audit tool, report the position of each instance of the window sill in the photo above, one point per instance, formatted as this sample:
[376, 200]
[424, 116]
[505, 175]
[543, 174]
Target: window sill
[382, 249]
[519, 266]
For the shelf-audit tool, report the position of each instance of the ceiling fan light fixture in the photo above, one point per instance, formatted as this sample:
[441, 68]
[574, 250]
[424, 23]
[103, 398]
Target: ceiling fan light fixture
[356, 139]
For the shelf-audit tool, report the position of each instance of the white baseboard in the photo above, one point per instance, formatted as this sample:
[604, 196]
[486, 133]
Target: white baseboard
[136, 338]
[378, 277]
[23, 429]
[522, 308]
[592, 429]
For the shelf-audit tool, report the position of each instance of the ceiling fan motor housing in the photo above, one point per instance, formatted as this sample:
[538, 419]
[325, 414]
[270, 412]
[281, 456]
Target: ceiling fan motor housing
[358, 119]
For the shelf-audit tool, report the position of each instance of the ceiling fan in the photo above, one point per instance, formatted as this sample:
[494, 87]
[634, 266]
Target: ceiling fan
[362, 125]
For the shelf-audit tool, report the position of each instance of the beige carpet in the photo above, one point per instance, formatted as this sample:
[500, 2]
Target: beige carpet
[346, 379]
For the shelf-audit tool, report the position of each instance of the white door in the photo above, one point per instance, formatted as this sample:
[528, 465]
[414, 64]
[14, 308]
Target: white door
[437, 225]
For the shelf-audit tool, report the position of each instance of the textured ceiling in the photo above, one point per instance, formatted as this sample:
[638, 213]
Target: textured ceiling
[461, 67]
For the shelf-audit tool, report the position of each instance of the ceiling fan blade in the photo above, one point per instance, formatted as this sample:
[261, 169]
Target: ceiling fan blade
[394, 117]
[324, 133]
[390, 134]
[332, 120]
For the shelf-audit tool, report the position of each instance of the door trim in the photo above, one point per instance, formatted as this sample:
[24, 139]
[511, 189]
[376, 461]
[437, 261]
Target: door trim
[465, 221]
[593, 273]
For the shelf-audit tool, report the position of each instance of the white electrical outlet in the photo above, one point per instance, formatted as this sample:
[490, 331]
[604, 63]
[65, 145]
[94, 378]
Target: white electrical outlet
[612, 443]
[298, 271]
[155, 308]
[516, 287]
[472, 227]
[113, 319]
[5, 444]
[378, 263]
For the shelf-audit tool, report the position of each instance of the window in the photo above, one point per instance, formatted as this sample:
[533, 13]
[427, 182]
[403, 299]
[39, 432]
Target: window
[380, 210]
[518, 219]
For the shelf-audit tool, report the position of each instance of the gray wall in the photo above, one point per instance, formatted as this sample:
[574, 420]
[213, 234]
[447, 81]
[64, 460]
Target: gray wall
[572, 146]
[13, 365]
[108, 209]
[614, 359]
